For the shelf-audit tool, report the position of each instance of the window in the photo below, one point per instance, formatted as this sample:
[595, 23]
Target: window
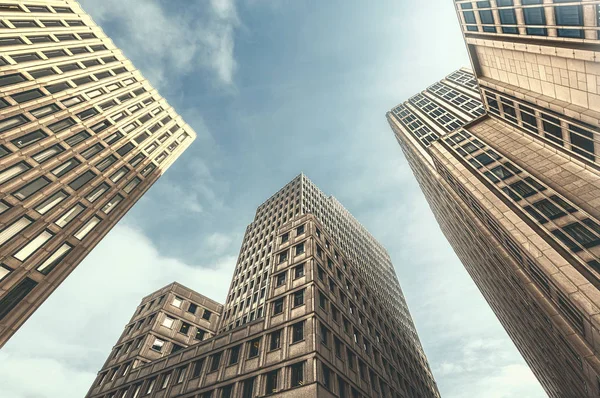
[77, 138]
[326, 377]
[185, 327]
[534, 16]
[215, 361]
[8, 80]
[285, 237]
[248, 388]
[168, 322]
[528, 118]
[106, 162]
[271, 382]
[111, 204]
[227, 391]
[582, 140]
[12, 122]
[298, 332]
[14, 296]
[206, 315]
[486, 16]
[275, 340]
[278, 306]
[69, 215]
[158, 345]
[322, 301]
[569, 16]
[98, 192]
[280, 279]
[52, 201]
[282, 257]
[501, 172]
[234, 354]
[300, 230]
[549, 209]
[192, 308]
[39, 73]
[299, 249]
[33, 245]
[299, 298]
[83, 179]
[91, 151]
[254, 347]
[10, 41]
[55, 88]
[483, 159]
[165, 381]
[27, 95]
[4, 271]
[48, 153]
[87, 227]
[324, 334]
[552, 129]
[507, 16]
[31, 188]
[297, 374]
[181, 374]
[177, 301]
[200, 334]
[299, 271]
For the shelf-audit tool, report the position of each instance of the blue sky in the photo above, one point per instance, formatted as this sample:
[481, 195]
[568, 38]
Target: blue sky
[273, 88]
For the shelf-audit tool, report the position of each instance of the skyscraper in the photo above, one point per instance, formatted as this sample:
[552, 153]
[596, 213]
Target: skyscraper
[517, 191]
[82, 137]
[314, 309]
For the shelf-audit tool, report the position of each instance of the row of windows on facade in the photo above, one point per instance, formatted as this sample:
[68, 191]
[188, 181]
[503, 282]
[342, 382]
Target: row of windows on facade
[464, 79]
[34, 8]
[533, 271]
[234, 354]
[580, 235]
[550, 205]
[441, 116]
[581, 138]
[526, 263]
[569, 18]
[470, 105]
[270, 383]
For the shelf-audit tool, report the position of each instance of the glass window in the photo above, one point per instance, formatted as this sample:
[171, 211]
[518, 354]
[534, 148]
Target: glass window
[12, 122]
[28, 139]
[77, 138]
[552, 129]
[10, 300]
[549, 209]
[45, 111]
[38, 73]
[4, 271]
[275, 340]
[234, 354]
[507, 16]
[8, 80]
[91, 151]
[298, 332]
[87, 227]
[27, 96]
[61, 125]
[534, 16]
[582, 141]
[106, 162]
[502, 172]
[569, 16]
[98, 192]
[254, 347]
[271, 382]
[297, 374]
[83, 179]
[51, 202]
[10, 231]
[48, 154]
[69, 215]
[33, 245]
[31, 188]
[13, 171]
[67, 166]
[55, 258]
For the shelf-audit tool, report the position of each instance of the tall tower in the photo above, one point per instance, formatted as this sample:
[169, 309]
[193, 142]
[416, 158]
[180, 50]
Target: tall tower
[314, 309]
[82, 137]
[516, 191]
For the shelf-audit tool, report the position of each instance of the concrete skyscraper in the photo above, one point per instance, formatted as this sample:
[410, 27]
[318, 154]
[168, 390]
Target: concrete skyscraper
[517, 191]
[82, 137]
[314, 309]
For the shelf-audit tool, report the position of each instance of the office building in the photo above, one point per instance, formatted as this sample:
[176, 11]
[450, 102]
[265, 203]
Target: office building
[517, 191]
[82, 137]
[314, 309]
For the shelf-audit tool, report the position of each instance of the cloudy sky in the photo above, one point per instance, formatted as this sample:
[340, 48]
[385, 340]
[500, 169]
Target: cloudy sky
[273, 88]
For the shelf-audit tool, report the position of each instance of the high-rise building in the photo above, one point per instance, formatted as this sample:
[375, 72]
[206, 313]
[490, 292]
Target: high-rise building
[82, 137]
[517, 191]
[314, 309]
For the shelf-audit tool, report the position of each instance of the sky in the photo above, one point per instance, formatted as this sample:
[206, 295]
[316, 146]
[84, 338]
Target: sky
[273, 88]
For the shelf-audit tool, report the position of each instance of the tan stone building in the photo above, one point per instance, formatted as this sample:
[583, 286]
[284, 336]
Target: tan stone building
[314, 310]
[517, 191]
[82, 136]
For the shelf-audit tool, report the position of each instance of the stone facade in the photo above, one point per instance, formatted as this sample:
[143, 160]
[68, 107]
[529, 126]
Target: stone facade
[82, 137]
[308, 314]
[515, 191]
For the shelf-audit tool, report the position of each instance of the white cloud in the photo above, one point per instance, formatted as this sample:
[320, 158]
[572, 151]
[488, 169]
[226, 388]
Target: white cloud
[173, 44]
[67, 340]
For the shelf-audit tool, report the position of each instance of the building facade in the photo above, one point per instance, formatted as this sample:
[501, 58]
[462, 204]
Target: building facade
[516, 191]
[314, 309]
[82, 137]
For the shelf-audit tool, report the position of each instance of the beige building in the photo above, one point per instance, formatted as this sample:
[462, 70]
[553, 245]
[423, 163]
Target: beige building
[314, 309]
[517, 191]
[82, 136]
